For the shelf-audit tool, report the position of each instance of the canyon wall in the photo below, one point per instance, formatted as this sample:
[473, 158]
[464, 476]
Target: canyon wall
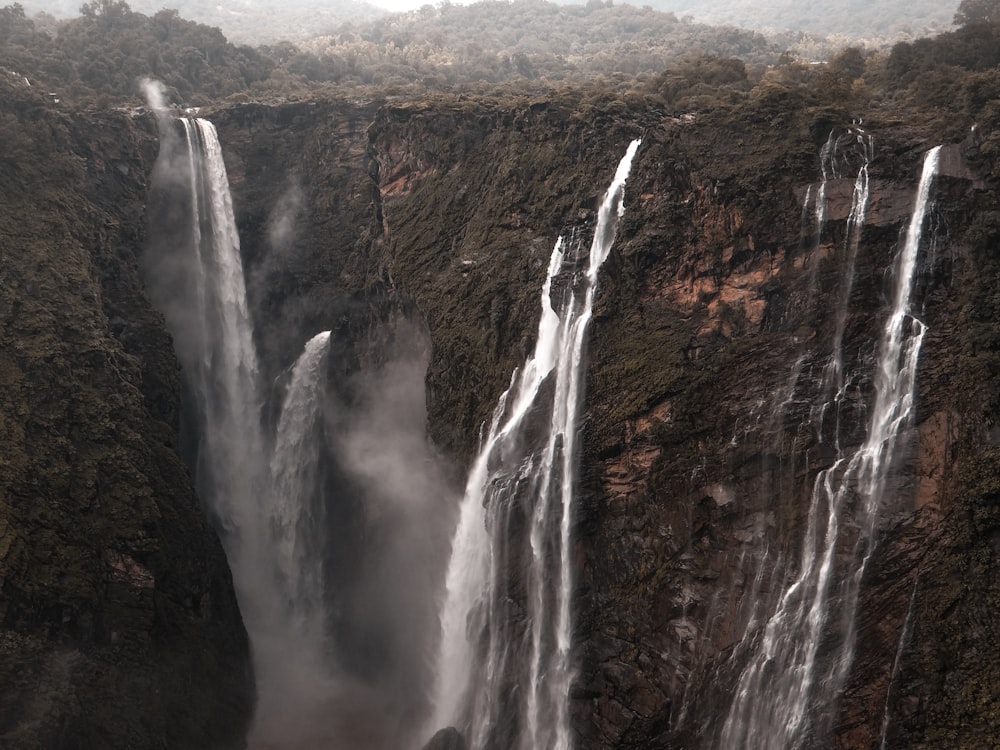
[713, 324]
[118, 622]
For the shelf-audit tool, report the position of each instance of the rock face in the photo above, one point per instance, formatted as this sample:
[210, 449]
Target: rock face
[697, 514]
[118, 622]
[715, 317]
[713, 325]
[446, 739]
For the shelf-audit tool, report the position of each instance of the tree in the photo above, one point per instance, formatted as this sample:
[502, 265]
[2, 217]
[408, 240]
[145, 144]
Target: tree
[14, 22]
[977, 11]
[849, 62]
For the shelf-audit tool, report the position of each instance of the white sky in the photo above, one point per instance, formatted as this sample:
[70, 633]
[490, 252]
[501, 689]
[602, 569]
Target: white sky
[397, 6]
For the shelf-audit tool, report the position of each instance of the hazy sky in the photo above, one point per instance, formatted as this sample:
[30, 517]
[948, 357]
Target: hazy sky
[400, 5]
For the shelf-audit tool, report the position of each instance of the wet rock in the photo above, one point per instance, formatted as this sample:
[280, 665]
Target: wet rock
[448, 738]
[706, 421]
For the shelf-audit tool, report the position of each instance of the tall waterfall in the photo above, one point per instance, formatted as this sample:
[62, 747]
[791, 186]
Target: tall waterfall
[262, 490]
[293, 650]
[788, 687]
[217, 351]
[504, 669]
[834, 387]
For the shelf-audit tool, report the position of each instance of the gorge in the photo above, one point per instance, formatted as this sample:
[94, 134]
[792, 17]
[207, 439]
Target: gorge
[719, 440]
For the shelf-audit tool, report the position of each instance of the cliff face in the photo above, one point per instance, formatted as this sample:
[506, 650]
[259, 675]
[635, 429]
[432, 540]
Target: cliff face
[713, 328]
[715, 319]
[727, 302]
[714, 323]
[118, 623]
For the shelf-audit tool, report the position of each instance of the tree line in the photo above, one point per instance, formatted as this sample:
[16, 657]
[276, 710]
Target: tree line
[97, 58]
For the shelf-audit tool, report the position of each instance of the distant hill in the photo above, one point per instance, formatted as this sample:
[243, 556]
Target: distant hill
[497, 41]
[243, 21]
[269, 21]
[853, 18]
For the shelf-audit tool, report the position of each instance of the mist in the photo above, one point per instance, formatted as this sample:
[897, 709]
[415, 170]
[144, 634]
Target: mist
[409, 507]
[336, 511]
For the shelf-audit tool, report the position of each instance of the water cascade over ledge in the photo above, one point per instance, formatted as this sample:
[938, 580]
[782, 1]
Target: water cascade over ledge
[504, 668]
[789, 685]
[261, 490]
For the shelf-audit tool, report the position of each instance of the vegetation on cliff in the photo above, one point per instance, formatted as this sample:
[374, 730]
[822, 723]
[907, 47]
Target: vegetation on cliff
[118, 622]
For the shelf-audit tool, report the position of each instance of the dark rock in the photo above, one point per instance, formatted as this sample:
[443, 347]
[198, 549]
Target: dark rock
[448, 738]
[104, 551]
[701, 441]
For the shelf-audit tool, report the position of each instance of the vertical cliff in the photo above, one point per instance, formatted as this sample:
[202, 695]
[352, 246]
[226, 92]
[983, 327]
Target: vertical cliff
[118, 623]
[425, 227]
[711, 334]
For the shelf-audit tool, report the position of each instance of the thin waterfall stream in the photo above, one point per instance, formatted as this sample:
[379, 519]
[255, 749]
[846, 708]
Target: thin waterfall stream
[787, 687]
[506, 686]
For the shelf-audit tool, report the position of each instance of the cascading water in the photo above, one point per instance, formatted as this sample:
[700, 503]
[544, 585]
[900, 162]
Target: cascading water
[504, 669]
[786, 690]
[263, 493]
[217, 351]
[769, 418]
[833, 378]
[295, 469]
[291, 645]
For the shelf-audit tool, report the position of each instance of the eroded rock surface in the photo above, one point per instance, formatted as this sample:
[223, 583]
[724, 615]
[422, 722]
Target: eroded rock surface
[118, 622]
[713, 325]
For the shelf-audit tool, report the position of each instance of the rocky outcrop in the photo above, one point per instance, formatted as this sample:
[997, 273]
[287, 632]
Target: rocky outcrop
[118, 622]
[446, 739]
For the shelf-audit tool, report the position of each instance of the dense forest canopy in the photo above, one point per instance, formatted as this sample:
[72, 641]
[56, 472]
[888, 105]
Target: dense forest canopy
[853, 18]
[500, 48]
[268, 21]
[533, 39]
[104, 51]
[242, 21]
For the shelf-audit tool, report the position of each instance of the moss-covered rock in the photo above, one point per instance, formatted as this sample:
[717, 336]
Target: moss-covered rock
[716, 315]
[118, 622]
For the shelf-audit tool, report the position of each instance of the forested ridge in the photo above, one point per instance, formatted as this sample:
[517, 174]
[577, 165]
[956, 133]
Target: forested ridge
[243, 21]
[856, 18]
[98, 58]
[104, 51]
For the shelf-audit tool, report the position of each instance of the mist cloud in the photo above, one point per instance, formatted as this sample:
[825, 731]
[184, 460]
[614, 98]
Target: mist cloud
[409, 511]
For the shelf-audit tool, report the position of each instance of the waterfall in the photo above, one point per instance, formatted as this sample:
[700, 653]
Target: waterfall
[504, 669]
[293, 654]
[219, 359]
[897, 662]
[787, 688]
[834, 387]
[262, 490]
[294, 469]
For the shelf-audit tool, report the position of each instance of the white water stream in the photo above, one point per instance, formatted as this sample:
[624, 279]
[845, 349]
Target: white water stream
[261, 490]
[786, 685]
[524, 476]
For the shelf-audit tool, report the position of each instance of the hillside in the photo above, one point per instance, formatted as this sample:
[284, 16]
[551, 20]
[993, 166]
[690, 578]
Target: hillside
[107, 50]
[851, 19]
[243, 21]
